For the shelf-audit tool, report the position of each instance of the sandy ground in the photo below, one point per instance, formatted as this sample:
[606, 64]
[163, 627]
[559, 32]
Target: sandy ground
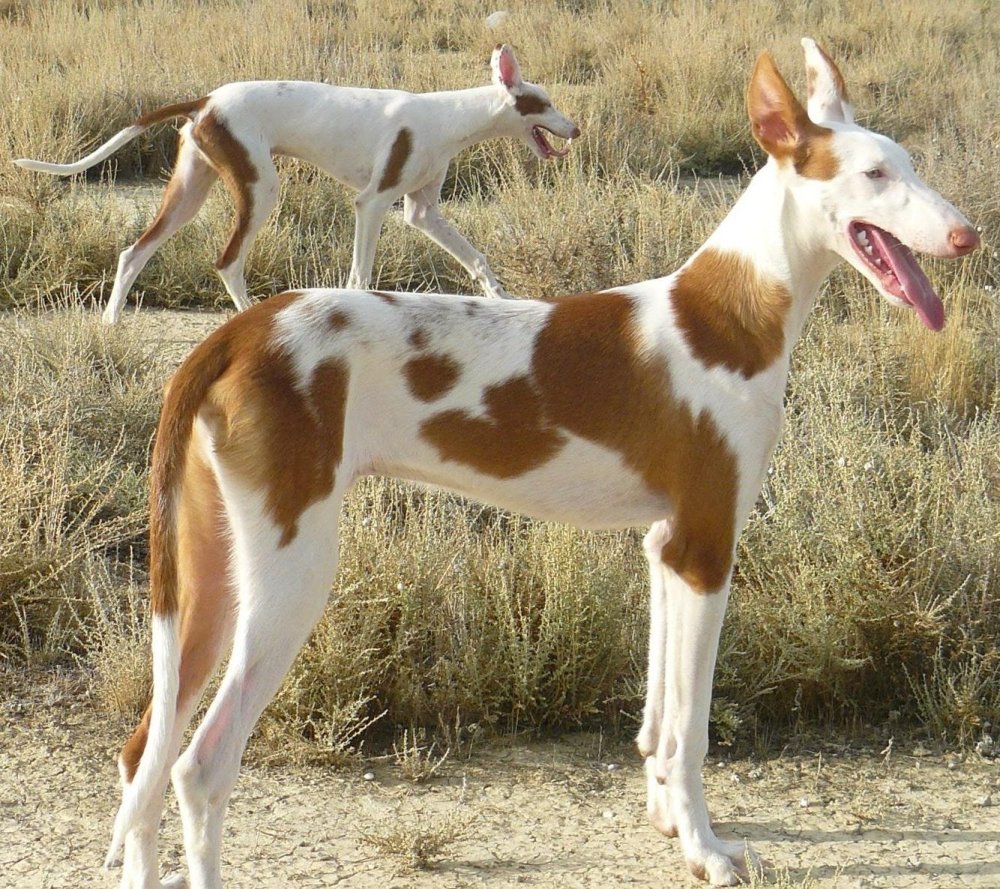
[564, 813]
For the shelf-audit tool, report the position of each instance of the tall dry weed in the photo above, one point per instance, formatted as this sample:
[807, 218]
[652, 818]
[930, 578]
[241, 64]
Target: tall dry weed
[76, 415]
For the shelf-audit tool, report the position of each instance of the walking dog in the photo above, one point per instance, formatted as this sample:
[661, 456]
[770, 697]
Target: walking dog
[654, 403]
[386, 144]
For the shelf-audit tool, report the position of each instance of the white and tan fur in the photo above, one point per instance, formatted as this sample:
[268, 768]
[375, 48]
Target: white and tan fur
[385, 144]
[656, 403]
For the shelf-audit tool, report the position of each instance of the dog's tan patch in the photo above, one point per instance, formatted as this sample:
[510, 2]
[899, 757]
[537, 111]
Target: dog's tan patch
[812, 75]
[814, 158]
[398, 154]
[187, 109]
[196, 179]
[526, 104]
[596, 383]
[508, 440]
[387, 298]
[698, 870]
[131, 753]
[729, 313]
[429, 377]
[231, 160]
[338, 320]
[204, 588]
[418, 338]
[279, 437]
[590, 378]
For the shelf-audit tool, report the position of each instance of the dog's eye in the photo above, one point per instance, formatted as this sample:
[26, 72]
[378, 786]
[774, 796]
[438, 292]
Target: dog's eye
[875, 173]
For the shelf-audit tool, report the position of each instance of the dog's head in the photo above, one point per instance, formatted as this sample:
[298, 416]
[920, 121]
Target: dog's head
[864, 201]
[534, 113]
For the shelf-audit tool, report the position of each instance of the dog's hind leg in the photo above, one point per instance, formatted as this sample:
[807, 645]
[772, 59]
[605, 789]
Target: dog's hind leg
[186, 191]
[283, 587]
[206, 623]
[656, 717]
[249, 173]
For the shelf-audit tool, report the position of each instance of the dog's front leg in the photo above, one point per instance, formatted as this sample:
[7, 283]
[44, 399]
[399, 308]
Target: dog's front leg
[420, 209]
[695, 618]
[370, 207]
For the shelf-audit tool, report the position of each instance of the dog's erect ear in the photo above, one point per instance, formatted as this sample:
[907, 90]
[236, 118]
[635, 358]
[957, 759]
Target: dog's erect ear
[827, 94]
[779, 122]
[506, 71]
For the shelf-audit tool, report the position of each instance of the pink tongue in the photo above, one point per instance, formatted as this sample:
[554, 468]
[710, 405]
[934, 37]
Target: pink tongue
[546, 146]
[916, 289]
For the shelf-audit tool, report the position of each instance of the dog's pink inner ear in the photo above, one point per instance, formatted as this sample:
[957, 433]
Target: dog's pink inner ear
[510, 72]
[775, 113]
[772, 130]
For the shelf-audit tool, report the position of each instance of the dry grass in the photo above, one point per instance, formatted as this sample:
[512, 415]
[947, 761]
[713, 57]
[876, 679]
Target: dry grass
[867, 582]
[415, 844]
[417, 758]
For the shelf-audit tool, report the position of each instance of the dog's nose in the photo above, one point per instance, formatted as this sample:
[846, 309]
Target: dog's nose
[964, 239]
[574, 133]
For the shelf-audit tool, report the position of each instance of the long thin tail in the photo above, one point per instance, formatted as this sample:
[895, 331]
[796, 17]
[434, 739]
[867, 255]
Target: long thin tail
[185, 396]
[166, 679]
[122, 137]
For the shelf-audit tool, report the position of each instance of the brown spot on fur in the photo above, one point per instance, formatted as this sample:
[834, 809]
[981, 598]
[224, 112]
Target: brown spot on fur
[398, 154]
[729, 314]
[590, 377]
[815, 158]
[231, 160]
[508, 440]
[205, 589]
[385, 297]
[279, 437]
[597, 384]
[287, 446]
[429, 377]
[338, 320]
[703, 489]
[418, 338]
[527, 103]
[698, 870]
[812, 74]
[131, 753]
[205, 593]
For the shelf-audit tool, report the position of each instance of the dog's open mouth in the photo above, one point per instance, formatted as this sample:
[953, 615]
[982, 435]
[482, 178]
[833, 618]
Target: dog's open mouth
[538, 134]
[897, 270]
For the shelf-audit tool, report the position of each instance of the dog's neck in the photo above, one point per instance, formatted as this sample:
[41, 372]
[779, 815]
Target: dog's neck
[472, 115]
[771, 226]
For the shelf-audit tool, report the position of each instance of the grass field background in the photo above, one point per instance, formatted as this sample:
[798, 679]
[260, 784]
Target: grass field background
[867, 587]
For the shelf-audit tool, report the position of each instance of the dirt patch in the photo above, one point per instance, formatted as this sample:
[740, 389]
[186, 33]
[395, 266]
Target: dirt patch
[562, 813]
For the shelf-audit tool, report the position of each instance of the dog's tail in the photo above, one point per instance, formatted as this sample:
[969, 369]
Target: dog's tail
[123, 137]
[185, 396]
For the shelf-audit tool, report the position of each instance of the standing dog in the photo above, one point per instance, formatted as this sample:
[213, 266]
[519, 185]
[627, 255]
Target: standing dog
[386, 144]
[655, 403]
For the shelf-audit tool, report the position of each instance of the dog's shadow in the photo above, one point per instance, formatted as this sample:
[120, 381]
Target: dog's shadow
[921, 853]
